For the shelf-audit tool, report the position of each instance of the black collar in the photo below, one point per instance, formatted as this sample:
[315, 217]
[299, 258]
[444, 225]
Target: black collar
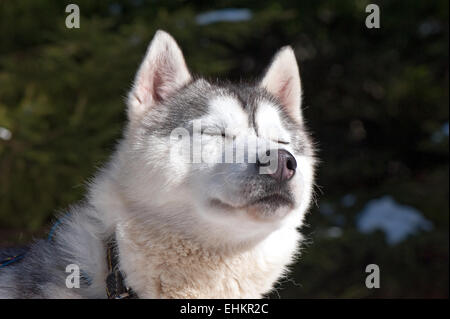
[115, 285]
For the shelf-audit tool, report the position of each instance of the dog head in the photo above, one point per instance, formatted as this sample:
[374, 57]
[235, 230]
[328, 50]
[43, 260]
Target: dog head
[233, 158]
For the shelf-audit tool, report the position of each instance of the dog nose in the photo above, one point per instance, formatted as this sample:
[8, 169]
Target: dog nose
[286, 165]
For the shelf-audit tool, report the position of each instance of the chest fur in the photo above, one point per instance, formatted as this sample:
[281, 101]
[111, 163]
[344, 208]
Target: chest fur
[172, 268]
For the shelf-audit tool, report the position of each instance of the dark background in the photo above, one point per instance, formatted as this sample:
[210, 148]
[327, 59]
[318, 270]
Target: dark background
[376, 101]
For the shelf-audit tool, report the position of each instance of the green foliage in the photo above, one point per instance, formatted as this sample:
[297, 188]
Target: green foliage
[376, 100]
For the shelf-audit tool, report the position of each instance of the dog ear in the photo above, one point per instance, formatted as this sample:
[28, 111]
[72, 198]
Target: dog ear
[282, 79]
[162, 72]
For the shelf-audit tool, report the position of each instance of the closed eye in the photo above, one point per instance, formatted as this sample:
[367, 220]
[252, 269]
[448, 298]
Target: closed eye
[214, 132]
[282, 142]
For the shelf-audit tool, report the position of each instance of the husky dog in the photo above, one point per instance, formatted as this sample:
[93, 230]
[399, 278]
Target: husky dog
[183, 227]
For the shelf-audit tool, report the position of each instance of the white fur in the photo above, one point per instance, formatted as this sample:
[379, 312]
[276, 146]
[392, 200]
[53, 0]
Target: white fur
[282, 79]
[172, 242]
[162, 72]
[269, 123]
